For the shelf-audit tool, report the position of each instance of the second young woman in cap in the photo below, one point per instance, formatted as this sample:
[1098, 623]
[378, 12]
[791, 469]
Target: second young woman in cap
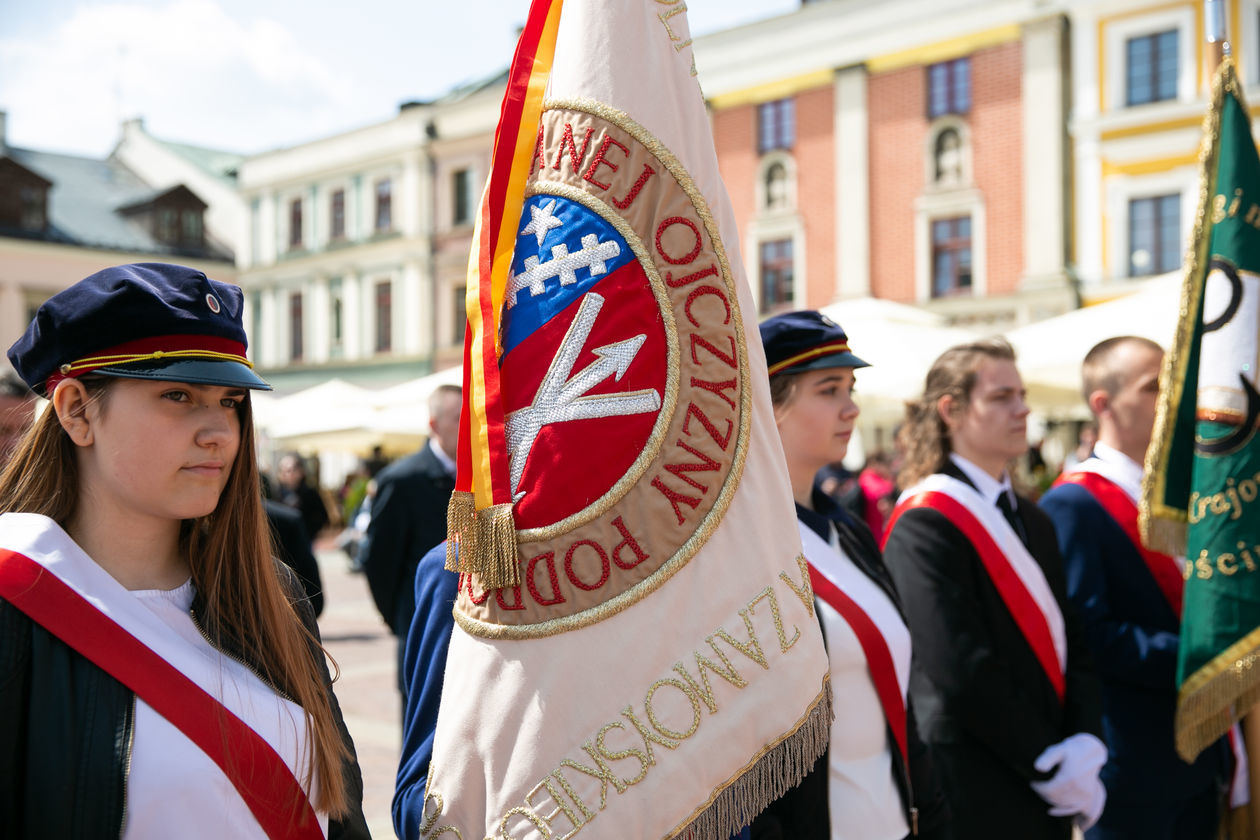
[875, 783]
[160, 674]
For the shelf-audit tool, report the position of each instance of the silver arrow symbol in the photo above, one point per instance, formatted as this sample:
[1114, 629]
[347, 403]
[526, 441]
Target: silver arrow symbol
[561, 398]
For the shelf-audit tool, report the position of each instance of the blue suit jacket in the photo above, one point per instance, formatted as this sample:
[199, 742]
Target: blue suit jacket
[1132, 632]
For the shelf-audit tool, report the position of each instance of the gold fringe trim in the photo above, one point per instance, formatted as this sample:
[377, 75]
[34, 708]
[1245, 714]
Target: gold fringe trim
[461, 515]
[1217, 695]
[1153, 506]
[1166, 535]
[777, 770]
[493, 559]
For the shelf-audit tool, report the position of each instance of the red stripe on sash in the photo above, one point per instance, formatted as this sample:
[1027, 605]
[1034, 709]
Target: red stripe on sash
[1121, 508]
[878, 658]
[1028, 616]
[260, 776]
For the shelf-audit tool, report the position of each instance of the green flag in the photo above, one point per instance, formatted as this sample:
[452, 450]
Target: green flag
[1201, 495]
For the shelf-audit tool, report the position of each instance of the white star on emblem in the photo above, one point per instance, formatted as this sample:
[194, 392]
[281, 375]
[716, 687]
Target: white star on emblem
[541, 221]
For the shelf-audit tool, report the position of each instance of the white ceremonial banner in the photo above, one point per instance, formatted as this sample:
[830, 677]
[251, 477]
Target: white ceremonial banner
[659, 672]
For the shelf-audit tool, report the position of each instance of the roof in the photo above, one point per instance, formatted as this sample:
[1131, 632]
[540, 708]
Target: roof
[214, 162]
[84, 201]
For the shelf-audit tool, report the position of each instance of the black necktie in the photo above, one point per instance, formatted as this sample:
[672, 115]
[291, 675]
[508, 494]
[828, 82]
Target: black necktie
[1004, 505]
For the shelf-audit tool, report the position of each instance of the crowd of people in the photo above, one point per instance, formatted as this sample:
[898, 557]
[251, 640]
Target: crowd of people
[1002, 667]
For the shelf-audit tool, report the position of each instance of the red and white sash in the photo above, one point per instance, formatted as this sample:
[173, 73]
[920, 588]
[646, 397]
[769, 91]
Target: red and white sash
[1118, 495]
[1019, 579]
[47, 576]
[890, 681]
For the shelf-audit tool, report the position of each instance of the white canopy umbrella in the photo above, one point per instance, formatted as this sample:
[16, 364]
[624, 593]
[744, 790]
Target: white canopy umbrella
[1050, 352]
[900, 342]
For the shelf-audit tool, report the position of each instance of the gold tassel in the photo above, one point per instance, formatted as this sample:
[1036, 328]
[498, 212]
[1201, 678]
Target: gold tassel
[494, 561]
[461, 531]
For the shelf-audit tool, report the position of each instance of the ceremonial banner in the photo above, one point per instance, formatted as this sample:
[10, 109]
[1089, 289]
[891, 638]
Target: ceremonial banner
[648, 664]
[1203, 466]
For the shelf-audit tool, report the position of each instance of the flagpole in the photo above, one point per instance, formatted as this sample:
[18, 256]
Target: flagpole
[1214, 30]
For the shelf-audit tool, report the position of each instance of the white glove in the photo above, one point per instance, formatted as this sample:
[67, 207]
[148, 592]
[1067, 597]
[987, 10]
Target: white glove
[1085, 819]
[1075, 789]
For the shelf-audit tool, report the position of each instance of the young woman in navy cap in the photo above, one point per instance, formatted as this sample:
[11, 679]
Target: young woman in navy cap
[875, 783]
[160, 674]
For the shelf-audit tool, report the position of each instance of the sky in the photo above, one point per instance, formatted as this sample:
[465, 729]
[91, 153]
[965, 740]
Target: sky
[253, 75]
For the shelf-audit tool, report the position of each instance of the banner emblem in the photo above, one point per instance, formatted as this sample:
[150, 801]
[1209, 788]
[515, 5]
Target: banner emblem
[621, 356]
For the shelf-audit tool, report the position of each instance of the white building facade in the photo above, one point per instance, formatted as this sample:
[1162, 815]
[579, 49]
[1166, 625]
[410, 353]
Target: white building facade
[356, 247]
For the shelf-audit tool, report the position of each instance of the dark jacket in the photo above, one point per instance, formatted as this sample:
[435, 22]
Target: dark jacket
[984, 704]
[802, 813]
[293, 546]
[1133, 633]
[66, 738]
[408, 519]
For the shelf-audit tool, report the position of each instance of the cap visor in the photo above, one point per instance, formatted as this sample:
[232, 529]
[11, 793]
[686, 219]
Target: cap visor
[835, 360]
[197, 371]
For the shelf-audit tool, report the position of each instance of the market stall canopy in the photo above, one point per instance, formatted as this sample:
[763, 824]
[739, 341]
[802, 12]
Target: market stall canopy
[900, 342]
[1050, 352]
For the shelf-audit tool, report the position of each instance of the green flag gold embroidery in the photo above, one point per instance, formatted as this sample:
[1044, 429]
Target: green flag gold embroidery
[1201, 495]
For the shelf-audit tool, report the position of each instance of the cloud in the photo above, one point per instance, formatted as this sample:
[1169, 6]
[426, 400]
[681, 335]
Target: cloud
[186, 66]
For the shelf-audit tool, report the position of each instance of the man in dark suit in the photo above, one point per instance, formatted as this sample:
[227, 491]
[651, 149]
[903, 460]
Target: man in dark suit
[1130, 603]
[293, 547]
[1000, 678]
[409, 514]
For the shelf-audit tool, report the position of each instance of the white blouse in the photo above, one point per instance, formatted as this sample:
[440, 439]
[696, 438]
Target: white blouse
[862, 795]
[173, 788]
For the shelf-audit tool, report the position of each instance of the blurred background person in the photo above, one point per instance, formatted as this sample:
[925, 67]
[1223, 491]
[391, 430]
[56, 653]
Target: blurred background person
[17, 410]
[879, 491]
[408, 515]
[293, 489]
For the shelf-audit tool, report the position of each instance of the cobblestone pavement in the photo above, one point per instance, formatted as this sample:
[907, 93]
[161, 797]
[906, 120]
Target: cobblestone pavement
[365, 651]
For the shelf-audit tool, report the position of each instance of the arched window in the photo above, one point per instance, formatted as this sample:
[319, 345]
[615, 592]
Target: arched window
[777, 197]
[947, 154]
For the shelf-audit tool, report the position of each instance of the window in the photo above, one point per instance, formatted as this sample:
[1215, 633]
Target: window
[295, 223]
[384, 200]
[255, 322]
[776, 125]
[193, 231]
[1151, 68]
[32, 216]
[777, 192]
[295, 326]
[951, 256]
[383, 316]
[947, 158]
[1154, 234]
[167, 225]
[461, 209]
[461, 314]
[337, 215]
[949, 87]
[777, 290]
[336, 317]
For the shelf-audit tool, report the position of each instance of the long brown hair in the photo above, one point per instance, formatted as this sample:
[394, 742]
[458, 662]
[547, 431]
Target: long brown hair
[924, 437]
[230, 556]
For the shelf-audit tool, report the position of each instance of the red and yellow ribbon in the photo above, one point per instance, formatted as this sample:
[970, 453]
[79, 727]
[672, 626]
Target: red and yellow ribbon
[480, 519]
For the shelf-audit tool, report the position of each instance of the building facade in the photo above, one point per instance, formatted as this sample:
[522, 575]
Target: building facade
[997, 162]
[63, 217]
[356, 248]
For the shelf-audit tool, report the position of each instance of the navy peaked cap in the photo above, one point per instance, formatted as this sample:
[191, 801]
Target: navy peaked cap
[806, 340]
[139, 321]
